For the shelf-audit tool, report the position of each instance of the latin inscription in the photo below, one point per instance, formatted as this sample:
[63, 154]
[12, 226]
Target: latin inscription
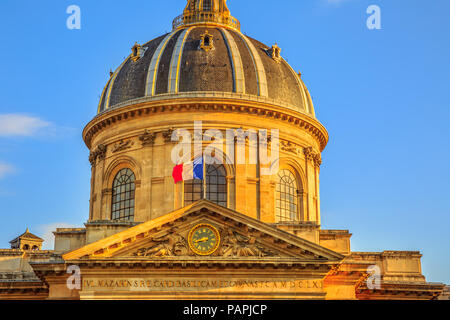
[156, 284]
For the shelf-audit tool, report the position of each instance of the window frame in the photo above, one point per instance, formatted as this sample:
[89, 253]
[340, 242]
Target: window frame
[287, 197]
[123, 203]
[216, 187]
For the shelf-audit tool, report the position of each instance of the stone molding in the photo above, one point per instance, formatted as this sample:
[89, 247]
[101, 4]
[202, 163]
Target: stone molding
[173, 103]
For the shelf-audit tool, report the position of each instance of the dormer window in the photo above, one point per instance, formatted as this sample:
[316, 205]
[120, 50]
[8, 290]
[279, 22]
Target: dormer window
[207, 41]
[137, 52]
[275, 53]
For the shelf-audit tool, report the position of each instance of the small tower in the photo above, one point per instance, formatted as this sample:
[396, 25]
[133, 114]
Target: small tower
[27, 242]
[207, 6]
[206, 12]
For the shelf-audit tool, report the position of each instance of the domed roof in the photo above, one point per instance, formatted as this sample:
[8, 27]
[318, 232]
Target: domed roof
[201, 58]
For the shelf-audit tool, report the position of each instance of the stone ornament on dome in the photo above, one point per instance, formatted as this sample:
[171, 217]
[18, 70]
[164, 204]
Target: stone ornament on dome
[137, 52]
[275, 53]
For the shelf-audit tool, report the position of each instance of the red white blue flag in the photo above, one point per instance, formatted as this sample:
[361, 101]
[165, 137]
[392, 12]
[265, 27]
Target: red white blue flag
[188, 171]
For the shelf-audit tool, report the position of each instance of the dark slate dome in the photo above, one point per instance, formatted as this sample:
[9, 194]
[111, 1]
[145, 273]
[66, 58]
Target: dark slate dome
[200, 59]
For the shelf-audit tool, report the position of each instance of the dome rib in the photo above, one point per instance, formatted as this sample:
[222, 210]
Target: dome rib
[111, 84]
[174, 69]
[177, 63]
[154, 64]
[236, 62]
[261, 78]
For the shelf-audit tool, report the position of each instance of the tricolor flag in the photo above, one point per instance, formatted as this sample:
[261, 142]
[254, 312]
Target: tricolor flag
[188, 171]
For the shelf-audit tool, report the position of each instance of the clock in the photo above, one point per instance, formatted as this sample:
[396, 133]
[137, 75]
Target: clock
[204, 239]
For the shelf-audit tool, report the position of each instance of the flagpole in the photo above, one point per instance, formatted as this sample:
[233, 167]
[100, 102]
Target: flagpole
[204, 176]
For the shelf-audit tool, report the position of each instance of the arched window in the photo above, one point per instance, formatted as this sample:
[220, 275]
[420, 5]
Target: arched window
[207, 6]
[216, 184]
[216, 187]
[123, 196]
[26, 247]
[286, 197]
[193, 190]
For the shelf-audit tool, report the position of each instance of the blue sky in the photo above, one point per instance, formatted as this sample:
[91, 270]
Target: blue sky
[382, 94]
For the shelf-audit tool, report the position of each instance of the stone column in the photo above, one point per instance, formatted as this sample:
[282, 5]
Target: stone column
[310, 187]
[241, 181]
[144, 205]
[169, 186]
[317, 164]
[157, 180]
[98, 158]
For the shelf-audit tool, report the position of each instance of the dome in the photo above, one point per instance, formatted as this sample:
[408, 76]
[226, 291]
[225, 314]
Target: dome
[207, 57]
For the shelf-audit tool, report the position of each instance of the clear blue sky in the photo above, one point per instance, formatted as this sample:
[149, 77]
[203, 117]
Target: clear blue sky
[382, 94]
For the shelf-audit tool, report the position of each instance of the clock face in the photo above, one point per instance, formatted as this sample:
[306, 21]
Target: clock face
[204, 239]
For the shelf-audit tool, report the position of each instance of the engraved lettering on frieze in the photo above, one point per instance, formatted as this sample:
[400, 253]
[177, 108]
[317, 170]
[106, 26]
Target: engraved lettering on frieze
[145, 283]
[122, 145]
[148, 138]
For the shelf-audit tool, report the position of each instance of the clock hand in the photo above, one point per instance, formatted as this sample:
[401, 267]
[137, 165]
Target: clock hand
[201, 240]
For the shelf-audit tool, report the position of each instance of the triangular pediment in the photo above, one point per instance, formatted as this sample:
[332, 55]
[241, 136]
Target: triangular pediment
[234, 236]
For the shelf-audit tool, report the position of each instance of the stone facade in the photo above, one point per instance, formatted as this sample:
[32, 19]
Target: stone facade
[165, 86]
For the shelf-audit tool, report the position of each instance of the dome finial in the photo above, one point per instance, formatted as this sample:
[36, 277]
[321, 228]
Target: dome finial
[206, 12]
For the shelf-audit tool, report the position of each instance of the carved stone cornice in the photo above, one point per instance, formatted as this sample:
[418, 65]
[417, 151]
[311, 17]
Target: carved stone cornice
[241, 237]
[206, 263]
[174, 104]
[399, 290]
[36, 290]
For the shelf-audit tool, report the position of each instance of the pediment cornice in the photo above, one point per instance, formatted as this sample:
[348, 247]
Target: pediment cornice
[243, 240]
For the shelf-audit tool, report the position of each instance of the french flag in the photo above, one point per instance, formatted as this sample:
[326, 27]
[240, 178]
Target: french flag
[188, 171]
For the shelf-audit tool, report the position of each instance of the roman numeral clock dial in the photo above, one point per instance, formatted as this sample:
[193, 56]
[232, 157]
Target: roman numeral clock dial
[204, 239]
